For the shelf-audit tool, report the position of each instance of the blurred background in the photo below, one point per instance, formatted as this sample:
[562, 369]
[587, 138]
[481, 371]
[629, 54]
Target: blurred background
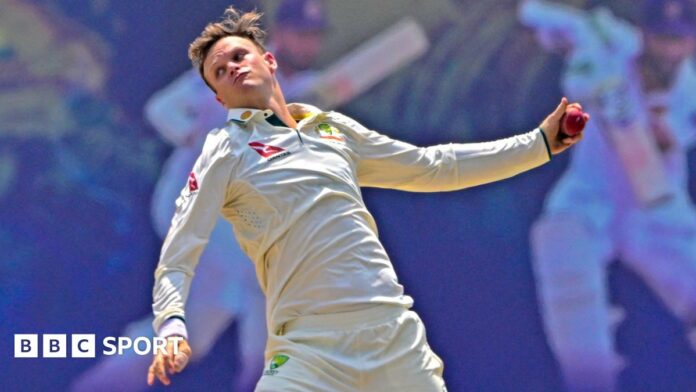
[79, 163]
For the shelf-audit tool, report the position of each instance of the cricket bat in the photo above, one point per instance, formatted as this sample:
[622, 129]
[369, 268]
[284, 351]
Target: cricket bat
[369, 63]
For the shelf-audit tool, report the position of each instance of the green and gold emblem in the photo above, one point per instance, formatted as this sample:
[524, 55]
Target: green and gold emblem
[278, 361]
[328, 131]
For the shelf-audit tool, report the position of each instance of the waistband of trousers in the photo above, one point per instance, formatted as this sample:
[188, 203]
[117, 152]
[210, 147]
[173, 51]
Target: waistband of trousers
[371, 316]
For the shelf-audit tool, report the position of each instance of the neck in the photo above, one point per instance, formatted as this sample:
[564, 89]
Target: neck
[274, 101]
[278, 105]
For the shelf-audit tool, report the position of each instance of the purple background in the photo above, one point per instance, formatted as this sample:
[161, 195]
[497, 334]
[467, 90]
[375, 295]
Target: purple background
[79, 251]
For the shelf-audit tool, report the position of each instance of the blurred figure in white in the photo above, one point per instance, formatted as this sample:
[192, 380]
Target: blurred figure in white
[613, 202]
[225, 288]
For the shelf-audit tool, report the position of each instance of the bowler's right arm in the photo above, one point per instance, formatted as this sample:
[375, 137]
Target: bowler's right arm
[197, 211]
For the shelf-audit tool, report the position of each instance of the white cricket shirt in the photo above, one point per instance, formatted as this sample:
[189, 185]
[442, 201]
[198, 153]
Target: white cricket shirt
[293, 198]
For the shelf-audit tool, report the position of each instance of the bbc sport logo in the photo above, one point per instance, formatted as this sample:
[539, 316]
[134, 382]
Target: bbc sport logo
[85, 345]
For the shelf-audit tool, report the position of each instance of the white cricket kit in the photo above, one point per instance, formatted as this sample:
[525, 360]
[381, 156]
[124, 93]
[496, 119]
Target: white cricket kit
[294, 200]
[182, 113]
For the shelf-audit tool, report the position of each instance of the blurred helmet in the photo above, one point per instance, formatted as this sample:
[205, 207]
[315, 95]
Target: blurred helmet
[669, 17]
[304, 15]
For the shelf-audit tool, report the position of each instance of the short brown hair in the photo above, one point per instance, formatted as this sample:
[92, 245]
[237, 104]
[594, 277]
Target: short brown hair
[233, 24]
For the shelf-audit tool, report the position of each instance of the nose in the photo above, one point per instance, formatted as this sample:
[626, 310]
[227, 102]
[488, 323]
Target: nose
[232, 68]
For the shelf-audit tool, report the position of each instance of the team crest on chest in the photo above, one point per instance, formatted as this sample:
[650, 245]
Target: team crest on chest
[327, 131]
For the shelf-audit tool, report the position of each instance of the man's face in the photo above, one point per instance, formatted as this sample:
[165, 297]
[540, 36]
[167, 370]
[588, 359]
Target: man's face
[240, 73]
[298, 49]
[669, 51]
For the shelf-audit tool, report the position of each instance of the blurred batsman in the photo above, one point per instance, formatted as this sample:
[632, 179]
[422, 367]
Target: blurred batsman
[624, 195]
[288, 178]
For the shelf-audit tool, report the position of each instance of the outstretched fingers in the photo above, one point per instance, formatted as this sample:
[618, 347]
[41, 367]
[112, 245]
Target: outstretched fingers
[157, 371]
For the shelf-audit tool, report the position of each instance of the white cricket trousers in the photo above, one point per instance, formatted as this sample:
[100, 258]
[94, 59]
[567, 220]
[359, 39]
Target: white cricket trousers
[382, 348]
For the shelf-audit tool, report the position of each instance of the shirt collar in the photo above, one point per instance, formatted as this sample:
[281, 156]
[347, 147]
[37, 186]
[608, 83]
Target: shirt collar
[243, 115]
[299, 111]
[302, 112]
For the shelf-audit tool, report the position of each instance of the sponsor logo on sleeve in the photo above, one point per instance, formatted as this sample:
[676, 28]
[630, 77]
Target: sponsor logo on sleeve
[192, 182]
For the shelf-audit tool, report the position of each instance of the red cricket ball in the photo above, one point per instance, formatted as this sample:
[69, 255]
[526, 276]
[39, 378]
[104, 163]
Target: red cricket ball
[573, 122]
